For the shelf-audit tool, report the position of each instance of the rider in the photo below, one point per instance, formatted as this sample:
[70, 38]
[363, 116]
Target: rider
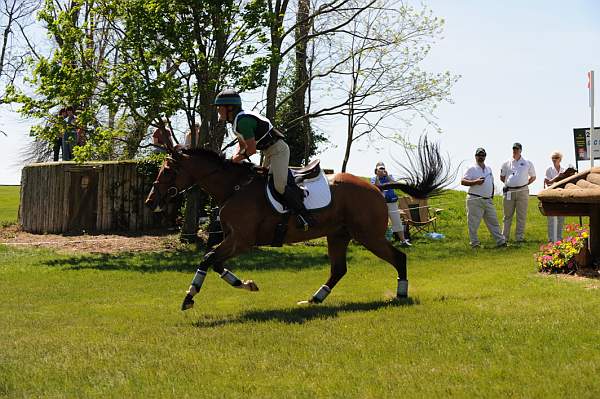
[255, 132]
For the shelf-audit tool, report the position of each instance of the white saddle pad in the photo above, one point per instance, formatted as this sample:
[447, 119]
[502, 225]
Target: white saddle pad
[317, 194]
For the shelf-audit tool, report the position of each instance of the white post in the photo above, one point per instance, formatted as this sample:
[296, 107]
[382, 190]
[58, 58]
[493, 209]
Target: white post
[592, 130]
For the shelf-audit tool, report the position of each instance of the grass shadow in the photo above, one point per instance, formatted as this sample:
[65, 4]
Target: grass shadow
[303, 314]
[188, 260]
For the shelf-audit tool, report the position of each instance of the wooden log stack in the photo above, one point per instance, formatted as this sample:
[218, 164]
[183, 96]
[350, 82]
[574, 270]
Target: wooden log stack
[61, 197]
[577, 195]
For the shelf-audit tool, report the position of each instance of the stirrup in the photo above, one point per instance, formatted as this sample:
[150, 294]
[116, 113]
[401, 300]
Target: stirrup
[302, 222]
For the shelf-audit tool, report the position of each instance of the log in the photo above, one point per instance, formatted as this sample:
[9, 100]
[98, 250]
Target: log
[127, 196]
[49, 190]
[594, 178]
[99, 203]
[586, 184]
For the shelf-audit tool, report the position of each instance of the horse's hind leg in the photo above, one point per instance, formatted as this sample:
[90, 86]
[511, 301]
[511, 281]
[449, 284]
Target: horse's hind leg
[386, 251]
[337, 246]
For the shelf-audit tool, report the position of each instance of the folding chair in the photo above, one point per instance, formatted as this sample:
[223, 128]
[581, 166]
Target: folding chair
[418, 214]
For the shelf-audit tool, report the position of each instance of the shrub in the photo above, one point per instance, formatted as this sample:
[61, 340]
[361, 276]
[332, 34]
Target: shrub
[561, 256]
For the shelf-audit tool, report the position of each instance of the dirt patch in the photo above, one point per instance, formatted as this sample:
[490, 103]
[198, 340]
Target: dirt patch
[100, 243]
[590, 276]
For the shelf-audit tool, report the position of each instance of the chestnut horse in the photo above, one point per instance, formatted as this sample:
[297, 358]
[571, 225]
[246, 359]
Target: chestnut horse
[357, 211]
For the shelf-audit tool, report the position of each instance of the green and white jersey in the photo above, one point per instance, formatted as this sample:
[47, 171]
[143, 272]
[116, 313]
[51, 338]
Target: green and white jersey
[249, 124]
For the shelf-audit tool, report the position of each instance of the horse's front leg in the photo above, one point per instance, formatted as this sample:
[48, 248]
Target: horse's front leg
[215, 259]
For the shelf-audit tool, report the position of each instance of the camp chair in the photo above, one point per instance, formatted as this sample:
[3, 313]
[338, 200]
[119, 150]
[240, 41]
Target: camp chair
[418, 214]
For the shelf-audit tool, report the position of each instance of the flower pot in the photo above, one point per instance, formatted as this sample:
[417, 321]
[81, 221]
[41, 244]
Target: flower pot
[583, 258]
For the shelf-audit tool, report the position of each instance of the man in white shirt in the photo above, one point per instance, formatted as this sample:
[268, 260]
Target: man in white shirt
[480, 203]
[516, 174]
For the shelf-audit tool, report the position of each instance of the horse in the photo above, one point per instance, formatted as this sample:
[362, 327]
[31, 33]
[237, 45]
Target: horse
[357, 211]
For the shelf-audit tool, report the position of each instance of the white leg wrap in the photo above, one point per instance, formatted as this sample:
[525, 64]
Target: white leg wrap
[321, 294]
[402, 291]
[197, 282]
[231, 279]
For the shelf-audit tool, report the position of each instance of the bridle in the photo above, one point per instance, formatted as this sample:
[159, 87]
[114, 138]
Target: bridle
[173, 191]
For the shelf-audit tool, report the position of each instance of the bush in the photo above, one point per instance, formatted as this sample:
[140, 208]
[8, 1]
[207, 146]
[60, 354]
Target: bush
[561, 256]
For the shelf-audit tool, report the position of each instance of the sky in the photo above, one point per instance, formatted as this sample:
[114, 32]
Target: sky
[523, 67]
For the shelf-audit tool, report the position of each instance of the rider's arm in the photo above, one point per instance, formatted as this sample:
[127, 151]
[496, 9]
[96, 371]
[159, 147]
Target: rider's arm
[246, 127]
[247, 147]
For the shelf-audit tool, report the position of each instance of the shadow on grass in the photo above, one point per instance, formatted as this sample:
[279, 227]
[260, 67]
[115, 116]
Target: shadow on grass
[303, 314]
[188, 260]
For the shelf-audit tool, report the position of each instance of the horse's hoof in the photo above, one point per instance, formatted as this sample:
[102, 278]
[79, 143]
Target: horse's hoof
[250, 285]
[400, 300]
[305, 303]
[188, 302]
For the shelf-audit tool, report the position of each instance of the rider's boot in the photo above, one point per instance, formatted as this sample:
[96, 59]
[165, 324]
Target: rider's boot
[305, 220]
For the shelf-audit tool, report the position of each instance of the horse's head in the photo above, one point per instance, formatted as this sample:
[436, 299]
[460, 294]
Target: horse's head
[172, 179]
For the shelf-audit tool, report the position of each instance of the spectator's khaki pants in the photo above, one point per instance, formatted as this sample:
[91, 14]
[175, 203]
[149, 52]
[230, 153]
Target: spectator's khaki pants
[519, 200]
[277, 159]
[481, 208]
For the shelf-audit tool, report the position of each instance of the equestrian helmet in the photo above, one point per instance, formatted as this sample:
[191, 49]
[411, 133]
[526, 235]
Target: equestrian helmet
[228, 97]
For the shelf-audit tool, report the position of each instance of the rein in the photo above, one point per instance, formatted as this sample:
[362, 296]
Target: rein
[172, 191]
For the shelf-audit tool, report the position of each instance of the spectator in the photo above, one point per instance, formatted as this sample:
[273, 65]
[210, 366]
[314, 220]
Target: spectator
[480, 204]
[161, 136]
[553, 174]
[516, 174]
[69, 139]
[188, 137]
[391, 199]
[57, 143]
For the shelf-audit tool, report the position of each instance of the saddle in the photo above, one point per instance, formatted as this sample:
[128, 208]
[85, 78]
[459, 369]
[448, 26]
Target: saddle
[309, 171]
[308, 184]
[295, 180]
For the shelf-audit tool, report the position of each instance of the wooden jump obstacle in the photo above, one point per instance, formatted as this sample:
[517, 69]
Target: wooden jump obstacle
[577, 195]
[62, 197]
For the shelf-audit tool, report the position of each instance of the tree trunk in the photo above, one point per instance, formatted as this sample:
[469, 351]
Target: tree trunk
[212, 133]
[276, 39]
[301, 78]
[4, 45]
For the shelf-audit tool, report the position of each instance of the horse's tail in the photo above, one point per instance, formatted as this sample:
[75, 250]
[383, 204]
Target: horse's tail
[428, 172]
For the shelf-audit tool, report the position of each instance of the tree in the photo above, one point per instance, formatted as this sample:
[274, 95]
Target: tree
[179, 55]
[373, 71]
[295, 37]
[15, 17]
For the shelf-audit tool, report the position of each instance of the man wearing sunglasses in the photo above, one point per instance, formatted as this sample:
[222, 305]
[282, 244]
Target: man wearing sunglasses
[480, 204]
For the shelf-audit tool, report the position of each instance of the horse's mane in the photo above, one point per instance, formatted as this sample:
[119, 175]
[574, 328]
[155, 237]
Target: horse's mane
[219, 158]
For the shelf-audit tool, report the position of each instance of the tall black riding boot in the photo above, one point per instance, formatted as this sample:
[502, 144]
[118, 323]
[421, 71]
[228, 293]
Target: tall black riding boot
[295, 203]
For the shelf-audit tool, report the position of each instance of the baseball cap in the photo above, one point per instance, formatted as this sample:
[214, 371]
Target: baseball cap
[517, 145]
[480, 151]
[380, 165]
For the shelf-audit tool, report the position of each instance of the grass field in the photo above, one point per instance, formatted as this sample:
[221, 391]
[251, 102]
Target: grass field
[9, 204]
[479, 323]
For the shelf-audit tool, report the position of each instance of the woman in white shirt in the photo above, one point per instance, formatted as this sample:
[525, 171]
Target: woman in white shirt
[555, 223]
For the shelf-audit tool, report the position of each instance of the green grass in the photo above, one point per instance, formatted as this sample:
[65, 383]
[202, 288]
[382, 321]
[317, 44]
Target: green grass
[479, 323]
[9, 204]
